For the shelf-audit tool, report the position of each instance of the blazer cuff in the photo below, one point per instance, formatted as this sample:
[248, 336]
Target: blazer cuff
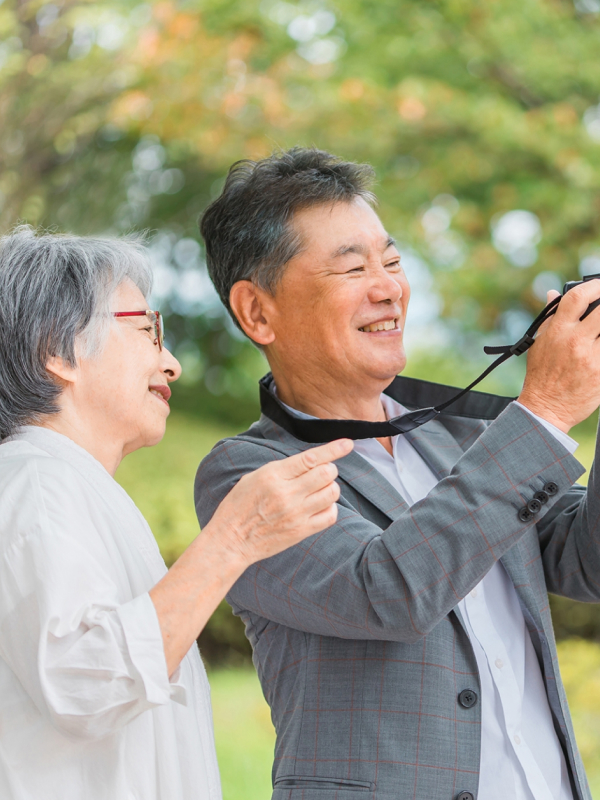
[531, 459]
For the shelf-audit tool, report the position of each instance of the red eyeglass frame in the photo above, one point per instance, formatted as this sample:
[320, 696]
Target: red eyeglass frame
[154, 318]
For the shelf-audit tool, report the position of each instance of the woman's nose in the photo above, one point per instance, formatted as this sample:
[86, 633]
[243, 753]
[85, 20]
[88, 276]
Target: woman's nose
[170, 366]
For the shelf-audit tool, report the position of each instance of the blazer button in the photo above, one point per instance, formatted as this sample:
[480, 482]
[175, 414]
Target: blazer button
[467, 698]
[525, 514]
[534, 506]
[542, 497]
[465, 796]
[551, 488]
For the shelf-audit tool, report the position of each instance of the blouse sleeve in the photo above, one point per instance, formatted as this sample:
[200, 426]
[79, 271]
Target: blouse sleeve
[89, 661]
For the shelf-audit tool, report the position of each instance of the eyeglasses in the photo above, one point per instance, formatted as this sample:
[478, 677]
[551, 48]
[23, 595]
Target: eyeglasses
[155, 320]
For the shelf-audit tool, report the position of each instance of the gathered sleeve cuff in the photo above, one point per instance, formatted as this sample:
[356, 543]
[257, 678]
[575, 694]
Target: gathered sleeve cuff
[142, 634]
[90, 658]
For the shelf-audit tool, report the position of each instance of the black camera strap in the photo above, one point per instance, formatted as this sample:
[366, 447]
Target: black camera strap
[411, 393]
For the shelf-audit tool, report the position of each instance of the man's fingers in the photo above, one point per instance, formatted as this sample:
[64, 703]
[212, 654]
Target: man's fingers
[590, 326]
[575, 303]
[551, 295]
[297, 465]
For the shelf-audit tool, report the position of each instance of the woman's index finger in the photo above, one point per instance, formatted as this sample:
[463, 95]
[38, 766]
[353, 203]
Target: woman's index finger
[297, 465]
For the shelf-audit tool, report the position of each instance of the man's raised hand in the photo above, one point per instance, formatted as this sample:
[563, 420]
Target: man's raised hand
[562, 384]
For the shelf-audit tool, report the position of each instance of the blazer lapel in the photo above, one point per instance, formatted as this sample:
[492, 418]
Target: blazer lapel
[514, 562]
[368, 482]
[436, 446]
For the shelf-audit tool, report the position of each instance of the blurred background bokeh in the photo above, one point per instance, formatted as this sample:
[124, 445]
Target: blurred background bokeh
[482, 121]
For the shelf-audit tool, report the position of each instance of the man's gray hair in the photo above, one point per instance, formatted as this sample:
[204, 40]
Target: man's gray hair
[248, 230]
[55, 295]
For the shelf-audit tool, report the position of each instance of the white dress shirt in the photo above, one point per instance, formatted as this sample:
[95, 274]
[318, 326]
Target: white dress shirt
[87, 709]
[521, 757]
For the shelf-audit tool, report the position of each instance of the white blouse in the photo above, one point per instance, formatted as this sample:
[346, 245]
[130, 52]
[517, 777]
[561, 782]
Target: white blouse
[87, 709]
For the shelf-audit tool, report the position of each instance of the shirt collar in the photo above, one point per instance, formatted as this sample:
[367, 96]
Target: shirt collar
[392, 407]
[60, 446]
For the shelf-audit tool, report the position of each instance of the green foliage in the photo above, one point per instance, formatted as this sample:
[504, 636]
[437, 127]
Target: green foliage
[580, 670]
[244, 735]
[119, 116]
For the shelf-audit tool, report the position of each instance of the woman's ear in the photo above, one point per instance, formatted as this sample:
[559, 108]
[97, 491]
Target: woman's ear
[251, 306]
[61, 370]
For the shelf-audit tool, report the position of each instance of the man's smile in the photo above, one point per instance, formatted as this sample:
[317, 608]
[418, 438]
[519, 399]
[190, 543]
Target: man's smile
[381, 325]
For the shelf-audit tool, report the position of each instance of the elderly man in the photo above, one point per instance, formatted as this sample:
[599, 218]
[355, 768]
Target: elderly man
[407, 651]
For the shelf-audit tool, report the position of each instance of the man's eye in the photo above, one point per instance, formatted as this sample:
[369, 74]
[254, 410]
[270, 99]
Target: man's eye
[356, 269]
[394, 264]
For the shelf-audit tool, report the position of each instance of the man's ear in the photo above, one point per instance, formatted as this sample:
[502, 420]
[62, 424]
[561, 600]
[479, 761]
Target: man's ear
[61, 371]
[251, 306]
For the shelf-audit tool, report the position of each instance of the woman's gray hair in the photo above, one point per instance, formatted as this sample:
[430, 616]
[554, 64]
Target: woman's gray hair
[55, 295]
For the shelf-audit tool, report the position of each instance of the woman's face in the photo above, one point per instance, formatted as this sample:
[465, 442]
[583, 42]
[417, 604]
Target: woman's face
[123, 393]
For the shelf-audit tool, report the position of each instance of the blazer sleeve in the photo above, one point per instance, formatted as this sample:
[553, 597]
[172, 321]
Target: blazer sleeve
[355, 580]
[570, 541]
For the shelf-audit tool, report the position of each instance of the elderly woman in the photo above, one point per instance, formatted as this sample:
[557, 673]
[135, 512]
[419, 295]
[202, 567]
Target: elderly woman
[102, 690]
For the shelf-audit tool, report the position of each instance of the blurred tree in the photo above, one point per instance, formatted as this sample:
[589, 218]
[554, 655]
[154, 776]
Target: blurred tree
[482, 121]
[56, 86]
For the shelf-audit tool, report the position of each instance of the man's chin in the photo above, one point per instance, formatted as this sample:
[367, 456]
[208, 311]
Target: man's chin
[383, 372]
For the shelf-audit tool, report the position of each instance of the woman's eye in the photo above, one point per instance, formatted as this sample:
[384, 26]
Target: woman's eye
[149, 329]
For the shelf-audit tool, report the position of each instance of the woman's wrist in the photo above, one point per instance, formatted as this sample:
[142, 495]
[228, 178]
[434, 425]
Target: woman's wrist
[221, 546]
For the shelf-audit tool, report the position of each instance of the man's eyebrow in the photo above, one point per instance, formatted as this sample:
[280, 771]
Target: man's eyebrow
[359, 249]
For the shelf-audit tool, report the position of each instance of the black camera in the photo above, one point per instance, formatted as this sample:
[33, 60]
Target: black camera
[570, 284]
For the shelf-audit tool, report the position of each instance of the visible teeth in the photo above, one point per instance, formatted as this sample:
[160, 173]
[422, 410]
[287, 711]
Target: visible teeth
[389, 325]
[158, 394]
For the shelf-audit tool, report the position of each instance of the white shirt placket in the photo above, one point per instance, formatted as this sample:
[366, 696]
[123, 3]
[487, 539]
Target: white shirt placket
[482, 629]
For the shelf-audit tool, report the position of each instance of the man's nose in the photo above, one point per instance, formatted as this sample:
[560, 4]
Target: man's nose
[385, 288]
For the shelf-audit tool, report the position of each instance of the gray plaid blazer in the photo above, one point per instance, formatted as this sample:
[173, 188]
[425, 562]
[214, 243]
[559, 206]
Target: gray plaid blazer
[358, 644]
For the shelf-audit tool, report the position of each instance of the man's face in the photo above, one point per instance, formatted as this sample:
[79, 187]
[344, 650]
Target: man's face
[341, 304]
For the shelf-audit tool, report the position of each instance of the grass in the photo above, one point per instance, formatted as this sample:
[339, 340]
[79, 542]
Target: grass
[244, 734]
[160, 480]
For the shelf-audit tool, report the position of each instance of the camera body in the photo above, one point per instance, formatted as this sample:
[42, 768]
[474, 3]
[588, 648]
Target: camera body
[570, 284]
